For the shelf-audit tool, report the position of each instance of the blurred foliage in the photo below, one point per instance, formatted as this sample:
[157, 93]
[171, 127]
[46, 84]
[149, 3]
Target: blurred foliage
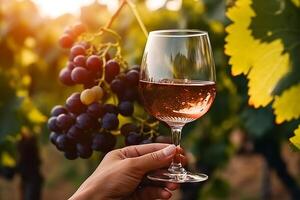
[263, 43]
[30, 60]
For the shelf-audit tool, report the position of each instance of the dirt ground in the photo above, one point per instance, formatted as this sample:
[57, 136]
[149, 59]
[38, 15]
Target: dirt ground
[244, 174]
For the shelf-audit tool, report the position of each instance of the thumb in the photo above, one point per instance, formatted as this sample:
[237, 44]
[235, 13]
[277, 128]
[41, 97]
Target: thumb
[155, 160]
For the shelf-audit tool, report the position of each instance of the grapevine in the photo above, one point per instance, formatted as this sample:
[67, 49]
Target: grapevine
[90, 119]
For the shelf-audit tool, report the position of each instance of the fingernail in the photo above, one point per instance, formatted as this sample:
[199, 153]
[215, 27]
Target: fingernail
[169, 150]
[165, 194]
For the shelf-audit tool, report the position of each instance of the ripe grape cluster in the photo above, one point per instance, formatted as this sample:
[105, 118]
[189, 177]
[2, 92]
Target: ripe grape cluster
[90, 121]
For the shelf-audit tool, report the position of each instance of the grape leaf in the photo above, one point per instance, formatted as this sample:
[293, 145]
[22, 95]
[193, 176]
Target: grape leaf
[32, 113]
[257, 121]
[10, 120]
[296, 2]
[264, 63]
[7, 160]
[279, 20]
[286, 106]
[296, 139]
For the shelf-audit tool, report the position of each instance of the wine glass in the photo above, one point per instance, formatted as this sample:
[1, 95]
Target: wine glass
[177, 86]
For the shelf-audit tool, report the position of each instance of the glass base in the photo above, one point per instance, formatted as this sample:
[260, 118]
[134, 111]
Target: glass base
[167, 176]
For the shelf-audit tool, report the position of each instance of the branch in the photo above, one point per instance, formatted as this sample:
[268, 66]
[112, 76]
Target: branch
[135, 12]
[108, 25]
[137, 16]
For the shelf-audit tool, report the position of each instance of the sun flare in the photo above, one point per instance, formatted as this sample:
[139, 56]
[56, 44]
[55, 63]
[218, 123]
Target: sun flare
[55, 8]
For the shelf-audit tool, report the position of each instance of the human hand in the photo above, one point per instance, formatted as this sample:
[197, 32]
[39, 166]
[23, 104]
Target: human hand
[121, 171]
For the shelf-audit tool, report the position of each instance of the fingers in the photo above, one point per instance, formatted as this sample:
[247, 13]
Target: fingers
[155, 160]
[183, 160]
[151, 193]
[139, 150]
[172, 186]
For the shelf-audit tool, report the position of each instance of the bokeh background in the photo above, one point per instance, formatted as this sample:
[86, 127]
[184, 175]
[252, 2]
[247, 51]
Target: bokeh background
[242, 143]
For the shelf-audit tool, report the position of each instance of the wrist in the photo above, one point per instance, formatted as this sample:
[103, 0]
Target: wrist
[90, 191]
[88, 195]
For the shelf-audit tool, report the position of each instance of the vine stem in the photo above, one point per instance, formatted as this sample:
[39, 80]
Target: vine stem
[110, 22]
[132, 6]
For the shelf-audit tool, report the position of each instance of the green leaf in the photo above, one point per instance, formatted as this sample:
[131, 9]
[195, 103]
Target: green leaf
[7, 160]
[296, 2]
[264, 63]
[279, 20]
[263, 43]
[286, 107]
[257, 121]
[296, 139]
[10, 121]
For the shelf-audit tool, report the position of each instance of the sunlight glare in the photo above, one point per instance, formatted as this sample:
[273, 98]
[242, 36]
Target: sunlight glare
[155, 4]
[174, 5]
[55, 8]
[112, 5]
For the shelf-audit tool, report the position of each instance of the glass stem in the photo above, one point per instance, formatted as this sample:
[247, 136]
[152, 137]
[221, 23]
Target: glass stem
[176, 166]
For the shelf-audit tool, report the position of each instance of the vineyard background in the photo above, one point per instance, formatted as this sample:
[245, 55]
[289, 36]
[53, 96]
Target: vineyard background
[239, 143]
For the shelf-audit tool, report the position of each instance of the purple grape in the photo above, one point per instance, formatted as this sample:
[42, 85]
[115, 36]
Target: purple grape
[70, 65]
[84, 150]
[80, 75]
[74, 104]
[94, 63]
[71, 155]
[110, 121]
[63, 142]
[104, 142]
[130, 94]
[52, 124]
[64, 121]
[65, 77]
[117, 86]
[84, 121]
[129, 127]
[78, 29]
[126, 108]
[133, 139]
[132, 77]
[110, 108]
[75, 133]
[66, 41]
[79, 61]
[58, 109]
[112, 69]
[77, 50]
[53, 136]
[96, 110]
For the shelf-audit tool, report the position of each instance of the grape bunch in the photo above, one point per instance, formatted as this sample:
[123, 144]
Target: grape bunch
[90, 119]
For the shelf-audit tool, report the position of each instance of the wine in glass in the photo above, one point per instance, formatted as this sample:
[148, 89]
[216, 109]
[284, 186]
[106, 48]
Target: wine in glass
[177, 86]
